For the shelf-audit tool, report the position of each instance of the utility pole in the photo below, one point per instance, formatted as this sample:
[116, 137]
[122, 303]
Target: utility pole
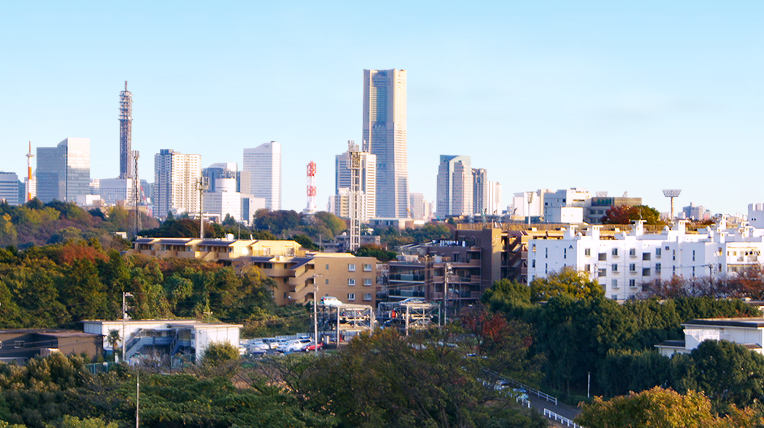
[137, 400]
[124, 317]
[445, 293]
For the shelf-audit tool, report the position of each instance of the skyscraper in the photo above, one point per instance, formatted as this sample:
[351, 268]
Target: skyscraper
[480, 190]
[368, 185]
[63, 172]
[264, 166]
[126, 165]
[455, 186]
[384, 135]
[176, 182]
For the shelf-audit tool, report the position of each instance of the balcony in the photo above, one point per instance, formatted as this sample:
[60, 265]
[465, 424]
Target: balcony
[406, 277]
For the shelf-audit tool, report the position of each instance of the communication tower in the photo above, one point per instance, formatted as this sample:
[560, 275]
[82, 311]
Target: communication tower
[671, 193]
[354, 165]
[311, 208]
[29, 172]
[125, 131]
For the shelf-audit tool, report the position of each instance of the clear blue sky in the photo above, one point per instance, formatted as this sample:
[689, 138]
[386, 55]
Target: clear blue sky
[617, 96]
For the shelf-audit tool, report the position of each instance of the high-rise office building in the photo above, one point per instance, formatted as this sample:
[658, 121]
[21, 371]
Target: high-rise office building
[368, 185]
[384, 135]
[480, 189]
[494, 198]
[417, 203]
[264, 166]
[63, 172]
[9, 188]
[455, 186]
[176, 183]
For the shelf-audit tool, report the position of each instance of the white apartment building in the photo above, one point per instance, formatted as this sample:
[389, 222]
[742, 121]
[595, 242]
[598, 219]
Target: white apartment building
[368, 184]
[622, 264]
[176, 183]
[263, 163]
[455, 186]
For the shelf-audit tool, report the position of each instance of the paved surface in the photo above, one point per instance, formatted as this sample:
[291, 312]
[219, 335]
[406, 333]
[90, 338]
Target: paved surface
[561, 408]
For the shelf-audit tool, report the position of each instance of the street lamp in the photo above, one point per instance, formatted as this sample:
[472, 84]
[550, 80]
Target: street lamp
[315, 311]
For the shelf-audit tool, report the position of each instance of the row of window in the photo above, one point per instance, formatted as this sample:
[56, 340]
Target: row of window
[351, 267]
[351, 282]
[632, 283]
[632, 269]
[16, 344]
[366, 297]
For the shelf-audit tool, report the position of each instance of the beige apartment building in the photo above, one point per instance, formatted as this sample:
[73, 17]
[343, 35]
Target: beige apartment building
[349, 278]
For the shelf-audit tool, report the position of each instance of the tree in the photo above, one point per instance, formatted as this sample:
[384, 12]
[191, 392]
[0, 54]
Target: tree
[656, 407]
[567, 281]
[371, 250]
[219, 353]
[626, 214]
[306, 242]
[113, 339]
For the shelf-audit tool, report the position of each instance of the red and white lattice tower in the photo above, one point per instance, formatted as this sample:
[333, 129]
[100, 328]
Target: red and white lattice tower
[311, 208]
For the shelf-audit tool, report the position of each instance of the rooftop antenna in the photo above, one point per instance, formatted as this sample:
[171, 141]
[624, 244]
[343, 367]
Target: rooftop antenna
[125, 132]
[671, 193]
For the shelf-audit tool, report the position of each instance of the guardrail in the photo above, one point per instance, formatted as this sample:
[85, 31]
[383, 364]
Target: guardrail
[536, 392]
[562, 420]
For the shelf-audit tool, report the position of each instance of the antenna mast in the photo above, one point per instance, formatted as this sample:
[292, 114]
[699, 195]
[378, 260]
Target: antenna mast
[29, 172]
[354, 165]
[125, 132]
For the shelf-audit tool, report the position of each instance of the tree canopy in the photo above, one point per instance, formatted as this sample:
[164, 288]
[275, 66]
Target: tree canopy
[627, 214]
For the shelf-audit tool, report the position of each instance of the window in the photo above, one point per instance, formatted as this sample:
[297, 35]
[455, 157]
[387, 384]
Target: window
[18, 344]
[533, 248]
[351, 281]
[602, 257]
[588, 268]
[673, 270]
[614, 283]
[673, 255]
[658, 253]
[367, 267]
[367, 296]
[615, 252]
[285, 294]
[351, 297]
[633, 252]
[657, 268]
[367, 282]
[632, 283]
[693, 255]
[693, 271]
[614, 267]
[327, 282]
[601, 272]
[646, 256]
[587, 252]
[533, 263]
[546, 253]
[351, 267]
[564, 253]
[632, 267]
[645, 271]
[267, 265]
[327, 267]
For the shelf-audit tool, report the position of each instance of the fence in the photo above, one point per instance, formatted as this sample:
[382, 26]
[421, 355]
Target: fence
[530, 390]
[562, 420]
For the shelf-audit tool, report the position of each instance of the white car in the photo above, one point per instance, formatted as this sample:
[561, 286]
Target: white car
[413, 300]
[258, 347]
[330, 301]
[294, 345]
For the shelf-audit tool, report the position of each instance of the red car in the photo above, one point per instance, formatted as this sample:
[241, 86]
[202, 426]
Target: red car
[312, 347]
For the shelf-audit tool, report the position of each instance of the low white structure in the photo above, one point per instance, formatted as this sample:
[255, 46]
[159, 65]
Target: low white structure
[171, 336]
[624, 262]
[748, 332]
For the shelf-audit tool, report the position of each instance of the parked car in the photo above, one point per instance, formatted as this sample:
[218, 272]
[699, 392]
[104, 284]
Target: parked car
[520, 394]
[294, 345]
[258, 347]
[312, 347]
[274, 343]
[416, 300]
[330, 301]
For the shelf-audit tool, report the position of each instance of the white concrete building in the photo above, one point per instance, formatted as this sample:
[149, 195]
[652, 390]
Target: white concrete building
[494, 198]
[9, 188]
[748, 332]
[170, 336]
[621, 265]
[455, 187]
[565, 205]
[176, 183]
[263, 163]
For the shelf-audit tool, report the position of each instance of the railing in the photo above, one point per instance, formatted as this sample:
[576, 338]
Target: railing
[405, 277]
[562, 420]
[536, 392]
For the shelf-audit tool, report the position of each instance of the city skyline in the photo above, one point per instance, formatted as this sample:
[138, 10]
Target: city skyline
[610, 105]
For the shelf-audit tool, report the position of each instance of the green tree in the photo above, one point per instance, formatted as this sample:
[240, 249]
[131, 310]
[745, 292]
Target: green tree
[381, 254]
[219, 353]
[627, 214]
[568, 282]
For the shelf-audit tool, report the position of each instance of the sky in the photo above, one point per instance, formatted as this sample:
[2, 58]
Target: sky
[608, 96]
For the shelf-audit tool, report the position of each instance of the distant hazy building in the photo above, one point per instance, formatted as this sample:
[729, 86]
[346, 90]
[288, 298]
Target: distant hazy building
[221, 197]
[264, 166]
[494, 198]
[416, 202]
[115, 190]
[384, 135]
[695, 212]
[176, 180]
[455, 186]
[480, 190]
[598, 206]
[368, 185]
[9, 188]
[63, 172]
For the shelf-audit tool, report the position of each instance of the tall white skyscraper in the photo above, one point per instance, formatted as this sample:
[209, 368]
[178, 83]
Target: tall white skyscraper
[455, 186]
[494, 198]
[263, 163]
[176, 183]
[368, 181]
[384, 135]
[63, 172]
